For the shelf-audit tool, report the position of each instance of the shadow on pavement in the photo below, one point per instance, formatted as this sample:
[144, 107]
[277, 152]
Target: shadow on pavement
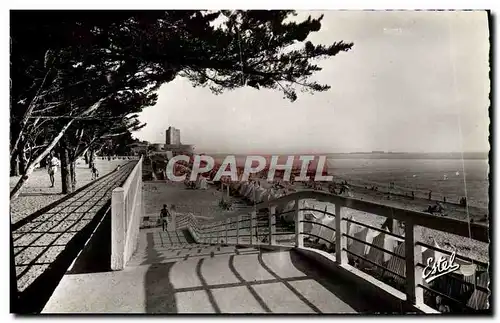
[203, 295]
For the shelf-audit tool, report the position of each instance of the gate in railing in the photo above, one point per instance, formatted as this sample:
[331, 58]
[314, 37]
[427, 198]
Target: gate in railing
[389, 253]
[126, 209]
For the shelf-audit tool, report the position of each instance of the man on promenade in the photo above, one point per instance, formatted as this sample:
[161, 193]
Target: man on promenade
[52, 163]
[164, 214]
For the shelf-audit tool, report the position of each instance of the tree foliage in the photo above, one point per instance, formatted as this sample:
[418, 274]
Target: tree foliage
[82, 76]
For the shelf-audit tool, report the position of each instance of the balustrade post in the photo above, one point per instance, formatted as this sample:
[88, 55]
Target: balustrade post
[228, 225]
[117, 228]
[219, 226]
[272, 225]
[413, 256]
[211, 228]
[252, 225]
[299, 225]
[340, 239]
[238, 219]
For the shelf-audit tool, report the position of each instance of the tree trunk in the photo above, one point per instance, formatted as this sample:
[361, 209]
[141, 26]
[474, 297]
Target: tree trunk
[14, 166]
[65, 169]
[92, 157]
[86, 155]
[72, 169]
[22, 162]
[43, 163]
[17, 189]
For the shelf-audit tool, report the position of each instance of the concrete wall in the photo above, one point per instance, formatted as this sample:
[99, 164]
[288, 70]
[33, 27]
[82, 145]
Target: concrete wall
[127, 208]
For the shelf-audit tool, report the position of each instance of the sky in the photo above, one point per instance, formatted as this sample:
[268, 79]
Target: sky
[413, 82]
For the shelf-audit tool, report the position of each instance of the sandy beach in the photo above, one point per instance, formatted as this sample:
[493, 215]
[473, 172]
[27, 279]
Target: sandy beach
[204, 203]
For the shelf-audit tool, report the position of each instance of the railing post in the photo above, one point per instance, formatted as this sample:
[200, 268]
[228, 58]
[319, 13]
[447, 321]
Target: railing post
[340, 240]
[299, 225]
[219, 225]
[211, 233]
[173, 215]
[228, 225]
[238, 219]
[252, 225]
[272, 225]
[413, 256]
[117, 228]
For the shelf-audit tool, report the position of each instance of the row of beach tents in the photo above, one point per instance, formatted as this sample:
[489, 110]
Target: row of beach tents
[255, 193]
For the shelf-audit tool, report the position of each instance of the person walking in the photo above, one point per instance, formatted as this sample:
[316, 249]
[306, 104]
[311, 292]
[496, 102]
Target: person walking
[52, 164]
[164, 214]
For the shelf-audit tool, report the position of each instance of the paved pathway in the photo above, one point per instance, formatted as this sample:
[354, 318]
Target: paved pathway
[169, 273]
[37, 193]
[46, 242]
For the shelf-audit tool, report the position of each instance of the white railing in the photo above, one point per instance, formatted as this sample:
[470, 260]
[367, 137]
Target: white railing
[256, 230]
[126, 210]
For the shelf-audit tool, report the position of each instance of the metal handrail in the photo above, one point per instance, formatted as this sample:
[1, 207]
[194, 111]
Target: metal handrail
[412, 256]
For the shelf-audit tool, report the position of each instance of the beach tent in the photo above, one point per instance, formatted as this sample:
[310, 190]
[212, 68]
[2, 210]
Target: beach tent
[243, 188]
[252, 192]
[321, 231]
[249, 195]
[356, 247]
[235, 186]
[246, 192]
[259, 194]
[203, 184]
[373, 254]
[397, 264]
[479, 299]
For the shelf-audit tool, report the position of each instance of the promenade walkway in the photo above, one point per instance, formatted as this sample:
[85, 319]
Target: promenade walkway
[45, 244]
[169, 273]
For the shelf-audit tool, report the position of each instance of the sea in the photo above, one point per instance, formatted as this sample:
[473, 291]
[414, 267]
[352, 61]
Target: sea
[452, 178]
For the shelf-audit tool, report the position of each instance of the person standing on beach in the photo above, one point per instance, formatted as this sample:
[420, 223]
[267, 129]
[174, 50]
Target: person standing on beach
[164, 214]
[52, 163]
[430, 195]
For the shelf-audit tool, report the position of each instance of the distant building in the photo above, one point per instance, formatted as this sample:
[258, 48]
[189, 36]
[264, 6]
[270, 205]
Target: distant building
[173, 143]
[173, 136]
